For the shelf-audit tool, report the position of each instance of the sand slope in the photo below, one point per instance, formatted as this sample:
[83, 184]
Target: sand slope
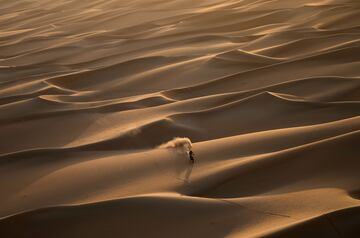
[268, 91]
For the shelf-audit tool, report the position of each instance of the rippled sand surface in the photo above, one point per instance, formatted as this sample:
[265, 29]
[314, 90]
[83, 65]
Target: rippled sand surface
[267, 90]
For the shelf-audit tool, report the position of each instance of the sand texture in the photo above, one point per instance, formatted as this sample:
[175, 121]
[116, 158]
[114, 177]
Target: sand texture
[268, 91]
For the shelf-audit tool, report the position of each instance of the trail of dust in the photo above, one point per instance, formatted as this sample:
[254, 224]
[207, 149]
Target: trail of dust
[182, 144]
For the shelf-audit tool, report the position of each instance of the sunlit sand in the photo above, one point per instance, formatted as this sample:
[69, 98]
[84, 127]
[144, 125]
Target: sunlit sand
[265, 93]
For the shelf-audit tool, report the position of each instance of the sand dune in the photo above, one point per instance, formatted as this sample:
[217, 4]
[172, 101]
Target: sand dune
[267, 91]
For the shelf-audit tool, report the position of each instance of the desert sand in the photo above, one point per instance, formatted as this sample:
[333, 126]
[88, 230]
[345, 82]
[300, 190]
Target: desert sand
[268, 91]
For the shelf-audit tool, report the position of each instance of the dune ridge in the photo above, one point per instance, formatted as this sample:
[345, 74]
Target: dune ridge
[266, 94]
